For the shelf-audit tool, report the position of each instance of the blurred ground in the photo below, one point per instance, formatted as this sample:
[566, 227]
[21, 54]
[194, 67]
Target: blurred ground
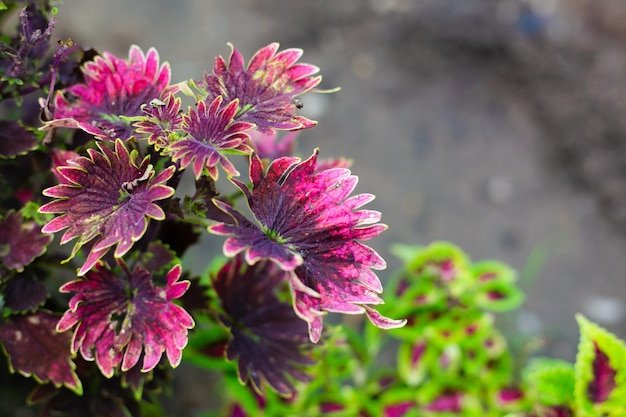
[495, 124]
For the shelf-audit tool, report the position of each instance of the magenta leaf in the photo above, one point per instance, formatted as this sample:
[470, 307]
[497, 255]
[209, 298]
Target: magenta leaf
[306, 223]
[399, 410]
[160, 120]
[113, 88]
[267, 338]
[35, 348]
[509, 395]
[20, 241]
[14, 139]
[211, 132]
[120, 318]
[60, 157]
[267, 89]
[329, 163]
[447, 402]
[272, 146]
[603, 383]
[109, 198]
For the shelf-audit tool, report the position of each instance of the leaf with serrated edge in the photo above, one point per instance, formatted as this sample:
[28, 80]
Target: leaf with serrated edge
[598, 350]
[36, 349]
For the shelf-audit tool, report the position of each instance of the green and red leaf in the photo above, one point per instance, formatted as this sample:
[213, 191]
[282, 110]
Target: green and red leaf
[600, 371]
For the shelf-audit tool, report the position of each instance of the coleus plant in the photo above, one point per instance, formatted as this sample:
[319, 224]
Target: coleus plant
[108, 158]
[93, 149]
[450, 359]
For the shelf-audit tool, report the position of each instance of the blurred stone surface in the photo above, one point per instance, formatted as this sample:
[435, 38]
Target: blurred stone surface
[495, 124]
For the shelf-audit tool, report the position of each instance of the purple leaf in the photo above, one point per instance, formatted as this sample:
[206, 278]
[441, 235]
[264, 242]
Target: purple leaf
[120, 319]
[161, 119]
[20, 241]
[211, 132]
[24, 292]
[35, 348]
[60, 157]
[113, 87]
[109, 198]
[307, 223]
[20, 58]
[102, 398]
[267, 89]
[14, 139]
[267, 337]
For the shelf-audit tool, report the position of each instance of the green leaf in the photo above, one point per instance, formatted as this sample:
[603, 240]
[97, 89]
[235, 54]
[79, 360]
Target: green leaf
[495, 289]
[487, 271]
[600, 372]
[550, 382]
[417, 295]
[436, 254]
[243, 395]
[498, 296]
[397, 400]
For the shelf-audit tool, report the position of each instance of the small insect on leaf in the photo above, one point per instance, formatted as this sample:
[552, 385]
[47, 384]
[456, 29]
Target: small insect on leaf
[297, 102]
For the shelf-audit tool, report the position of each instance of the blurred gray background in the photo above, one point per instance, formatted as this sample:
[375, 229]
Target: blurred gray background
[495, 124]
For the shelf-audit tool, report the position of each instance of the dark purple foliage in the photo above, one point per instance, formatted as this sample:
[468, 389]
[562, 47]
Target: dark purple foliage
[19, 59]
[24, 292]
[20, 241]
[35, 348]
[102, 398]
[15, 139]
[267, 336]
